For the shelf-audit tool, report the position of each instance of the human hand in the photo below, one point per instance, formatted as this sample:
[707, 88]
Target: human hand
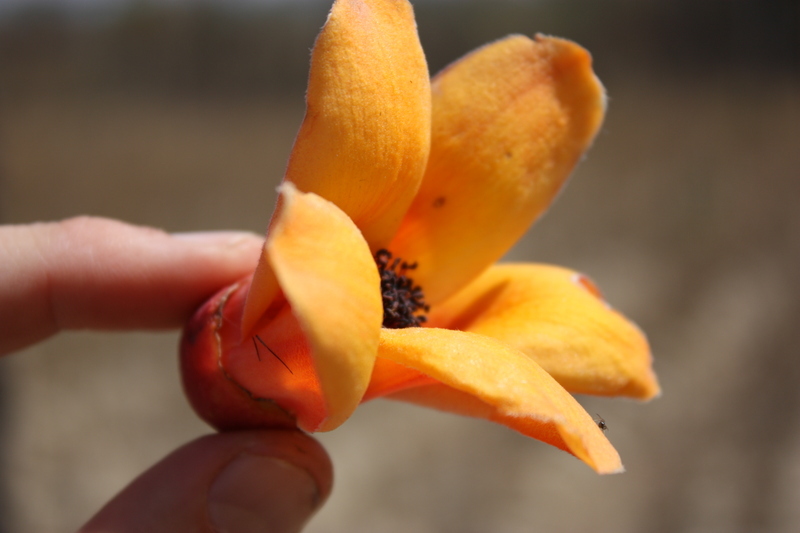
[102, 274]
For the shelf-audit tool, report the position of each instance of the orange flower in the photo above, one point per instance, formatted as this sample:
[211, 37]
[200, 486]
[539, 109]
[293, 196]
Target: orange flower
[446, 175]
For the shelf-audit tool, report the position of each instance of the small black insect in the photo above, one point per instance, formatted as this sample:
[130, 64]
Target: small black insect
[601, 423]
[270, 351]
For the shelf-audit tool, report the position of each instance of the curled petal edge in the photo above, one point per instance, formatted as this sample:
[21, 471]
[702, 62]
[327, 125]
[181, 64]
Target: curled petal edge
[311, 355]
[328, 275]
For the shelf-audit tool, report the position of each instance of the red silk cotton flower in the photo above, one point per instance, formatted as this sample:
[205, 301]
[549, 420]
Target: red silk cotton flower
[378, 274]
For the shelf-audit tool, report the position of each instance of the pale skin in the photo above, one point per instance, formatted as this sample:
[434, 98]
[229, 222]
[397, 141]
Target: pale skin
[92, 273]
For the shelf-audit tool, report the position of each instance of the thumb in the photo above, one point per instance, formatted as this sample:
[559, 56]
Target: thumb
[237, 482]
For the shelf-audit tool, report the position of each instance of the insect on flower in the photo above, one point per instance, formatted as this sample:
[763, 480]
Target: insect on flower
[601, 423]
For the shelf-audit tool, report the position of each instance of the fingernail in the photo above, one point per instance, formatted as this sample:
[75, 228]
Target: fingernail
[218, 238]
[264, 494]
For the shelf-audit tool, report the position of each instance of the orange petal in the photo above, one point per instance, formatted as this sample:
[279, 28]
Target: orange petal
[487, 379]
[364, 141]
[557, 318]
[329, 278]
[510, 121]
[261, 295]
[389, 377]
[365, 138]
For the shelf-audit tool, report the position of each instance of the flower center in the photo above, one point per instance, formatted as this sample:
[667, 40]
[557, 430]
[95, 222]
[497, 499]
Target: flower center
[403, 302]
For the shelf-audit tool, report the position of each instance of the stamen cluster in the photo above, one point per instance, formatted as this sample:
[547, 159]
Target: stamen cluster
[402, 300]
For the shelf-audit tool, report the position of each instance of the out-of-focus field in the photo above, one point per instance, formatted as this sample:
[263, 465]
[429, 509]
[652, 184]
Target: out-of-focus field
[685, 213]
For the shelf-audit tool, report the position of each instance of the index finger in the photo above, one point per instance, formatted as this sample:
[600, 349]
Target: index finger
[103, 274]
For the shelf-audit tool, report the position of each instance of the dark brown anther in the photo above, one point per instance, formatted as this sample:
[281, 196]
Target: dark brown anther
[403, 302]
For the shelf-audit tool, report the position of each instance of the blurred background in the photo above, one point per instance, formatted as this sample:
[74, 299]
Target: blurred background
[181, 115]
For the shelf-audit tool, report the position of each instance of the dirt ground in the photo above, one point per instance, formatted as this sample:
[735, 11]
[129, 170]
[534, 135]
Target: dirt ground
[685, 213]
